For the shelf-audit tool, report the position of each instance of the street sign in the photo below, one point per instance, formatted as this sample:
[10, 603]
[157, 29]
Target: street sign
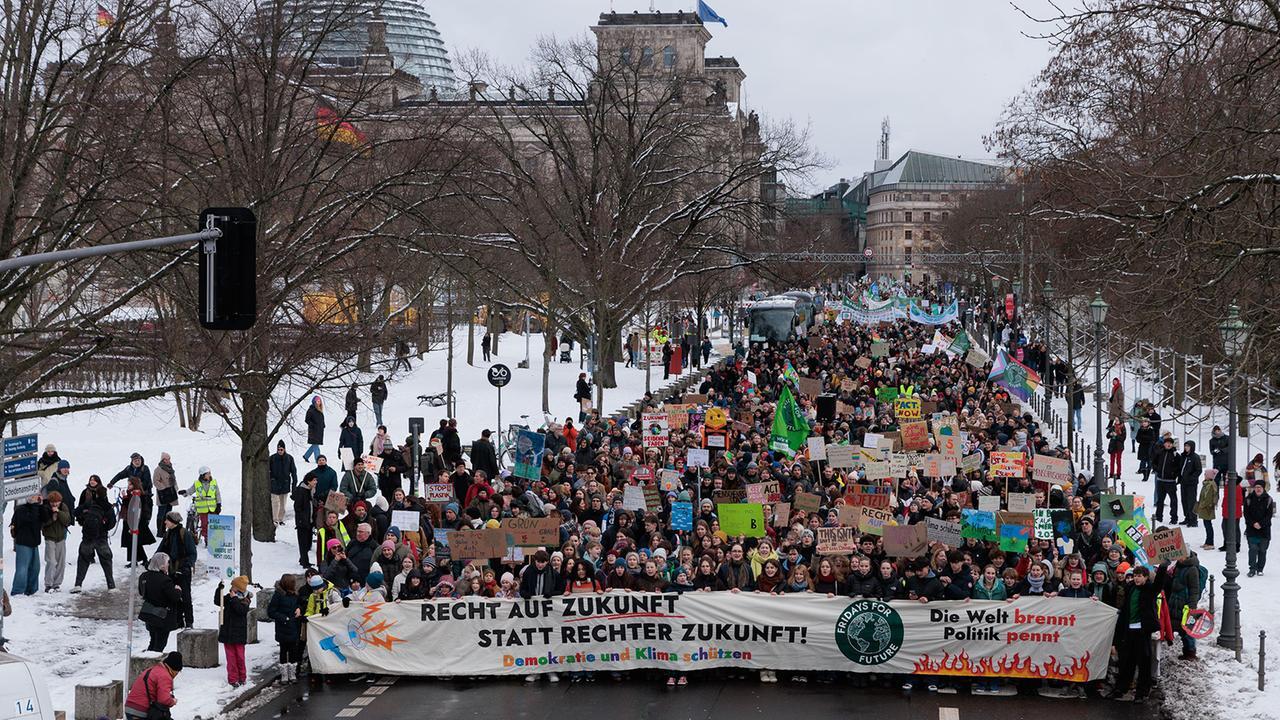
[499, 375]
[15, 468]
[21, 445]
[21, 488]
[417, 425]
[867, 253]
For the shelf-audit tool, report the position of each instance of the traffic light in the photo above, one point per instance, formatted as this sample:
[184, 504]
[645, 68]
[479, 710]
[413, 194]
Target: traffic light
[229, 269]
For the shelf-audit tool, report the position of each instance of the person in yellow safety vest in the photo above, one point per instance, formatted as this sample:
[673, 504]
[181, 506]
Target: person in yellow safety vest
[331, 530]
[322, 595]
[206, 498]
[906, 390]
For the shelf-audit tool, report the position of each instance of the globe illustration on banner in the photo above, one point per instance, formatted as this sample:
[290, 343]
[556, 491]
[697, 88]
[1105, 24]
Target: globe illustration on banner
[869, 632]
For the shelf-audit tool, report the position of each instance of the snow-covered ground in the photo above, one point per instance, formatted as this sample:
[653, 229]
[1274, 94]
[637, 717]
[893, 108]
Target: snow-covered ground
[1214, 686]
[81, 639]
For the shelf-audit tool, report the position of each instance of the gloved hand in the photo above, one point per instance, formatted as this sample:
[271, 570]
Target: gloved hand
[324, 611]
[217, 509]
[346, 602]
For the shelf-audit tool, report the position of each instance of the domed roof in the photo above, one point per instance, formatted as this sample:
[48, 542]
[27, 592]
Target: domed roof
[412, 38]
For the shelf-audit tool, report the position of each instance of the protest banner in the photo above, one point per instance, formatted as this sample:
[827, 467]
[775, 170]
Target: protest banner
[642, 474]
[840, 456]
[695, 399]
[528, 454]
[874, 520]
[944, 531]
[669, 480]
[978, 524]
[438, 492]
[905, 540]
[483, 544]
[876, 496]
[656, 429]
[677, 416]
[532, 531]
[877, 471]
[817, 448]
[863, 455]
[1021, 502]
[810, 386]
[698, 457]
[633, 497]
[915, 435]
[1053, 470]
[806, 502]
[781, 514]
[741, 519]
[406, 520]
[1008, 464]
[970, 463]
[907, 408]
[899, 465]
[933, 465]
[682, 516]
[221, 559]
[765, 492]
[1035, 638]
[1167, 544]
[977, 358]
[837, 540]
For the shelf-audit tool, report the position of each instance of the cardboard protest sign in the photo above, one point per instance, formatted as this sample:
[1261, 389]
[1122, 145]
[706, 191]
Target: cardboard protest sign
[990, 503]
[840, 456]
[817, 448]
[877, 471]
[899, 465]
[741, 519]
[633, 497]
[915, 435]
[1052, 470]
[1167, 544]
[879, 349]
[682, 516]
[438, 492]
[876, 496]
[677, 416]
[698, 457]
[848, 385]
[865, 455]
[406, 520]
[837, 540]
[372, 463]
[933, 465]
[1116, 507]
[652, 499]
[976, 358]
[807, 502]
[533, 532]
[1064, 522]
[971, 462]
[347, 456]
[668, 480]
[528, 456]
[907, 408]
[484, 544]
[1008, 464]
[765, 492]
[944, 531]
[978, 524]
[810, 386]
[1014, 538]
[695, 399]
[862, 362]
[872, 440]
[1021, 502]
[656, 429]
[906, 540]
[874, 520]
[736, 495]
[1043, 528]
[890, 441]
[642, 474]
[781, 514]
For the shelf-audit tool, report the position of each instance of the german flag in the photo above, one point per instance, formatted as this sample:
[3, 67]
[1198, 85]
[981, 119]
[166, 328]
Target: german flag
[105, 17]
[331, 127]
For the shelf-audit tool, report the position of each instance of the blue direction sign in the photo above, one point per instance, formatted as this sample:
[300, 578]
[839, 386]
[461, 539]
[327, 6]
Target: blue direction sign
[19, 467]
[20, 445]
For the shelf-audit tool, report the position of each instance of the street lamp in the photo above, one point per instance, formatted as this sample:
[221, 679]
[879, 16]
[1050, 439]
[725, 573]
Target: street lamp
[1098, 309]
[1047, 293]
[1235, 334]
[1017, 297]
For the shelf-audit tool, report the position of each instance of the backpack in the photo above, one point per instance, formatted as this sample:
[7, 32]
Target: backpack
[1203, 574]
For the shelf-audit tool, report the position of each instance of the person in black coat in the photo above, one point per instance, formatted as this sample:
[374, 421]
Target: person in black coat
[1145, 437]
[233, 626]
[1136, 621]
[1219, 445]
[95, 516]
[1166, 464]
[315, 429]
[305, 505]
[582, 394]
[1189, 482]
[539, 580]
[451, 443]
[285, 610]
[161, 601]
[351, 437]
[378, 394]
[29, 516]
[923, 584]
[145, 536]
[352, 401]
[484, 456]
[137, 467]
[1259, 508]
[284, 478]
[180, 546]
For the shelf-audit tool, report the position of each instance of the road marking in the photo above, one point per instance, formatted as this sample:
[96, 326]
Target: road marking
[948, 713]
[348, 712]
[376, 690]
[362, 701]
[386, 681]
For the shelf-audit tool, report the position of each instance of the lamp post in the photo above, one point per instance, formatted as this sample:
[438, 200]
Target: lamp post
[1047, 293]
[1017, 298]
[1235, 333]
[1098, 309]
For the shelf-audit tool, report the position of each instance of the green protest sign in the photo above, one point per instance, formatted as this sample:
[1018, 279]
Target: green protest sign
[742, 519]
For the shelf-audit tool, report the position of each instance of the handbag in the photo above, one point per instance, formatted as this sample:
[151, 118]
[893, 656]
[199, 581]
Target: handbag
[155, 711]
[168, 496]
[151, 611]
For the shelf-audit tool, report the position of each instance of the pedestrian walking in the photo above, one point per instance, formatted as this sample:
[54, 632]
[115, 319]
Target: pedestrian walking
[145, 536]
[351, 403]
[378, 394]
[55, 540]
[96, 517]
[233, 626]
[306, 502]
[315, 429]
[27, 528]
[166, 484]
[283, 474]
[484, 347]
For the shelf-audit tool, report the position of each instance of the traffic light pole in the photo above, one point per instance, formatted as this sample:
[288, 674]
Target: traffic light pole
[97, 250]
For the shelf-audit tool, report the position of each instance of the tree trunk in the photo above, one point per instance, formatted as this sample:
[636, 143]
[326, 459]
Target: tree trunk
[547, 353]
[471, 324]
[182, 417]
[255, 512]
[448, 330]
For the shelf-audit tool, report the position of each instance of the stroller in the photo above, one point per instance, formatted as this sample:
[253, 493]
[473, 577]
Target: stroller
[566, 354]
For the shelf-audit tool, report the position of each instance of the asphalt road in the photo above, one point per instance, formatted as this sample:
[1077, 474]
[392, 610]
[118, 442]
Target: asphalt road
[640, 699]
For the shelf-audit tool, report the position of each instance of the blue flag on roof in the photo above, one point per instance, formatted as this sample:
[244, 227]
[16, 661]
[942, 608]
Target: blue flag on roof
[707, 15]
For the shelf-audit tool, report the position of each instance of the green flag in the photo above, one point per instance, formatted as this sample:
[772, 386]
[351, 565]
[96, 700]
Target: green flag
[961, 344]
[790, 428]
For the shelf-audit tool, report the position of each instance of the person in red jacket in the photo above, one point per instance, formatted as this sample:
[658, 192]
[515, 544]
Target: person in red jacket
[154, 685]
[1232, 518]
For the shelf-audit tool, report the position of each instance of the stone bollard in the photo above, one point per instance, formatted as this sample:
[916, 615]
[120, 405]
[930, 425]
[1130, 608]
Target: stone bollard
[261, 600]
[105, 700]
[141, 662]
[199, 648]
[252, 633]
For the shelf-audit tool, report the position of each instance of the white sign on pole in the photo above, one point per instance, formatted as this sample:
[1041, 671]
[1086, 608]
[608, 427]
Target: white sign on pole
[817, 448]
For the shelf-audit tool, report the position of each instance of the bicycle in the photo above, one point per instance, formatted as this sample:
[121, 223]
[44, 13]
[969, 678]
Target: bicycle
[507, 443]
[437, 400]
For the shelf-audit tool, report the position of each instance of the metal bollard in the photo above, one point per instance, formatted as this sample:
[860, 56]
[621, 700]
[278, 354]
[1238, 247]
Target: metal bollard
[1212, 599]
[1262, 660]
[1122, 488]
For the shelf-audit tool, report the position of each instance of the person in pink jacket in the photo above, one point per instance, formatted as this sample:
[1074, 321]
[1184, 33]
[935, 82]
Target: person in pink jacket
[154, 685]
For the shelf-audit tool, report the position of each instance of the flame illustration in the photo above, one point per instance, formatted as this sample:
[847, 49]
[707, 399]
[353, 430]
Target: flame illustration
[1012, 667]
[370, 635]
